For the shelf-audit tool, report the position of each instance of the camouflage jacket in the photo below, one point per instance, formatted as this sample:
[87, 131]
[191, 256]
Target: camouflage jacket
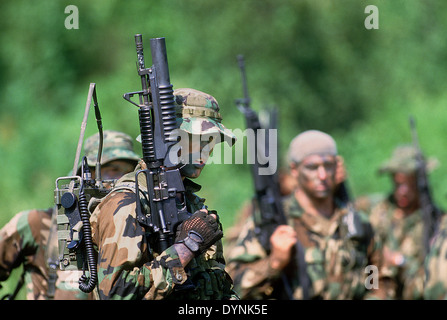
[436, 265]
[24, 240]
[125, 269]
[337, 251]
[403, 234]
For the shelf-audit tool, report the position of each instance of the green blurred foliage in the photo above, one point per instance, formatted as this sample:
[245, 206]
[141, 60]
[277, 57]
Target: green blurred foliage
[313, 59]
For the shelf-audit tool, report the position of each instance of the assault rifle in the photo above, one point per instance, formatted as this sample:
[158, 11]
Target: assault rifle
[267, 195]
[431, 213]
[268, 211]
[157, 117]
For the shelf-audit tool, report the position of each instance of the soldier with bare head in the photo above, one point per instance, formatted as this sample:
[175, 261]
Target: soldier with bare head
[338, 242]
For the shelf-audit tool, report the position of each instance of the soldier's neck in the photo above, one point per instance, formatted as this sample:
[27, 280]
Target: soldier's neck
[318, 207]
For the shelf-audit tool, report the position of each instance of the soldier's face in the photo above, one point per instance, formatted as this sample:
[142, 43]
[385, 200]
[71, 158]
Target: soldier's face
[405, 190]
[115, 169]
[199, 150]
[316, 175]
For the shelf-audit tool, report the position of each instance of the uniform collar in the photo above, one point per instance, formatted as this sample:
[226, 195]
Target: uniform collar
[318, 224]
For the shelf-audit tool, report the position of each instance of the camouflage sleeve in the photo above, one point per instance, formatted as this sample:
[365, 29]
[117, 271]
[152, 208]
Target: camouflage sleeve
[250, 268]
[436, 266]
[413, 280]
[124, 269]
[386, 288]
[19, 238]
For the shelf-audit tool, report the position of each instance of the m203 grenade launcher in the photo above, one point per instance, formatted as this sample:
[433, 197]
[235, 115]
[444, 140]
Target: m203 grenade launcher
[158, 124]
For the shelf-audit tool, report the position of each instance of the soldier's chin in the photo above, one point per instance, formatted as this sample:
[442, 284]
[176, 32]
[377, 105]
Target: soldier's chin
[191, 171]
[195, 174]
[403, 202]
[321, 194]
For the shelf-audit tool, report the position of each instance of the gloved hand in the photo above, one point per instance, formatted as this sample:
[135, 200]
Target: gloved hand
[199, 232]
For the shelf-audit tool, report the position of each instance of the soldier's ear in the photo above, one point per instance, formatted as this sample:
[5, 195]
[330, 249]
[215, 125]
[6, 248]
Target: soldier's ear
[294, 170]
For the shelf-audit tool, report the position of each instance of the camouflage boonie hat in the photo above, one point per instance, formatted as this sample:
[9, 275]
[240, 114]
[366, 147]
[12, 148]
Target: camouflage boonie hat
[116, 145]
[198, 113]
[404, 160]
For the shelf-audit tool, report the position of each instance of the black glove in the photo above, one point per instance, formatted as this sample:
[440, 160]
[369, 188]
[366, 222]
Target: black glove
[199, 232]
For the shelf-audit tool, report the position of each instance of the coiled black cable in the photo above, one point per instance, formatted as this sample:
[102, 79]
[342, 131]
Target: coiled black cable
[87, 284]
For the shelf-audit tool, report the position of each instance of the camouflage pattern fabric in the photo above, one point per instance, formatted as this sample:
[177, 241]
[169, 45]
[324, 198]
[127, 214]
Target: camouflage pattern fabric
[24, 240]
[337, 251]
[125, 269]
[403, 160]
[198, 113]
[436, 265]
[233, 233]
[116, 145]
[29, 238]
[403, 234]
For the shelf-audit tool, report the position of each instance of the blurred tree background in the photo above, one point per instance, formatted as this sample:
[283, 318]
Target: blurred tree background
[313, 59]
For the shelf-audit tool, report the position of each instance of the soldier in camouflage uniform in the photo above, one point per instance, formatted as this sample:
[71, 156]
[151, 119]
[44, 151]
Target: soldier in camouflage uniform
[27, 240]
[338, 242]
[398, 220]
[191, 268]
[435, 286]
[286, 183]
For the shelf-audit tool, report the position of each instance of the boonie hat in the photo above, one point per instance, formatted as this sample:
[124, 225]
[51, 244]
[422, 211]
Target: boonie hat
[404, 160]
[198, 113]
[116, 145]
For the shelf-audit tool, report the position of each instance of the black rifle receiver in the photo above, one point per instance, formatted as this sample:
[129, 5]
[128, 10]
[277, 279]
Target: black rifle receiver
[157, 124]
[431, 213]
[268, 211]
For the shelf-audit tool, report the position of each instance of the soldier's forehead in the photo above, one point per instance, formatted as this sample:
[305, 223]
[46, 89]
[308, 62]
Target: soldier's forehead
[404, 176]
[319, 158]
[118, 163]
